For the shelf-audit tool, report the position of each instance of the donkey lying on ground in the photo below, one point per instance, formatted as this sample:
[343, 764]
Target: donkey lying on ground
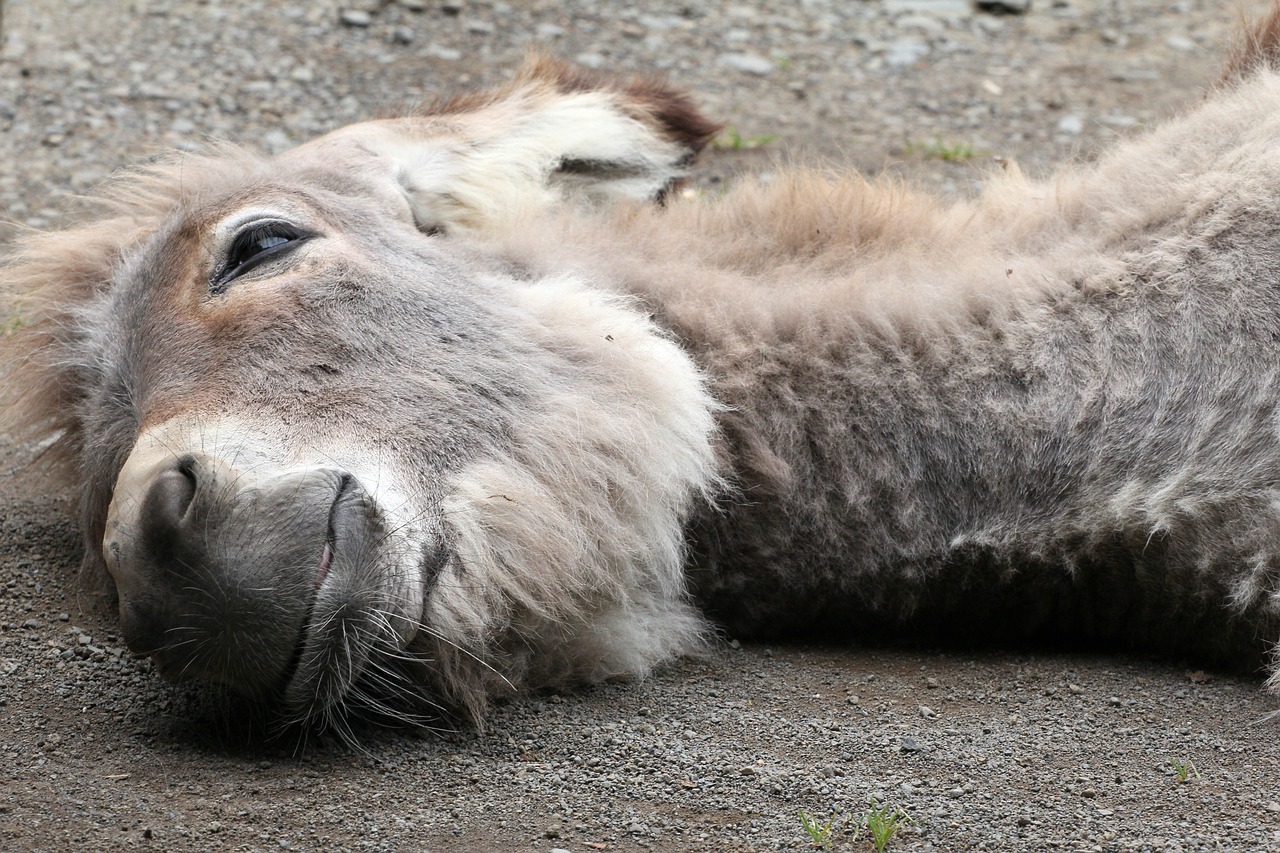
[435, 408]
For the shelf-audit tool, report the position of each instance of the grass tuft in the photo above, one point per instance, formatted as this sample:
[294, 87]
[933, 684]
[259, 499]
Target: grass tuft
[883, 822]
[1184, 770]
[820, 832]
[940, 149]
[12, 323]
[731, 139]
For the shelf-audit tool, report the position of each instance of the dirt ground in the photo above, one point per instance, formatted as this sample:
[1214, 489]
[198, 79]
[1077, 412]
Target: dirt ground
[1007, 749]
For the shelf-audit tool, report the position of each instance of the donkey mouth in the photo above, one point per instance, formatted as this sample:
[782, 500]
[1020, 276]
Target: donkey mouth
[350, 596]
[326, 562]
[343, 504]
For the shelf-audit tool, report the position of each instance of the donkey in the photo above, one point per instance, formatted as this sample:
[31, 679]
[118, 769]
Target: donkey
[433, 409]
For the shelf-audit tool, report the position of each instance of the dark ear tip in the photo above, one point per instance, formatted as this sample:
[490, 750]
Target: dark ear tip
[1257, 47]
[670, 108]
[680, 118]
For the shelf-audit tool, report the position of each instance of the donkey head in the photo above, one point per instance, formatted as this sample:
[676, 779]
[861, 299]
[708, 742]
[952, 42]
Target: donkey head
[331, 451]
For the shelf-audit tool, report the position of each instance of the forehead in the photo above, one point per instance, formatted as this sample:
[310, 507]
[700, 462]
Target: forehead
[192, 196]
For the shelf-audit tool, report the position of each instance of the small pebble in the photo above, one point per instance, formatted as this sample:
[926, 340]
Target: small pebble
[355, 18]
[1003, 7]
[749, 63]
[1072, 124]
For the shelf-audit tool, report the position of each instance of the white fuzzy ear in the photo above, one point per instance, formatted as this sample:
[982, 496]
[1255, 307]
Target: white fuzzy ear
[554, 134]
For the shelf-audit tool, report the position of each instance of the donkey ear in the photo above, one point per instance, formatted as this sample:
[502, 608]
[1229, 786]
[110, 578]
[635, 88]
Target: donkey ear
[1256, 48]
[555, 134]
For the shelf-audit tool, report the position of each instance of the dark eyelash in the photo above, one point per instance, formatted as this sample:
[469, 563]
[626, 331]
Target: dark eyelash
[254, 245]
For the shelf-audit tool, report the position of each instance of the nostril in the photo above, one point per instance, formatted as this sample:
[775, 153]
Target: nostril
[186, 466]
[169, 496]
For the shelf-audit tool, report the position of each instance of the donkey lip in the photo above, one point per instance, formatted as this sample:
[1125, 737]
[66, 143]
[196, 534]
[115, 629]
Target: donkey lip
[326, 561]
[339, 633]
[339, 508]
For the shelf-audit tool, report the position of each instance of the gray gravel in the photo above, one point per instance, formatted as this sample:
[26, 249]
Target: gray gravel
[994, 750]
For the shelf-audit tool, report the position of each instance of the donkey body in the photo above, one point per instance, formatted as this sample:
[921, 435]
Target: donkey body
[434, 408]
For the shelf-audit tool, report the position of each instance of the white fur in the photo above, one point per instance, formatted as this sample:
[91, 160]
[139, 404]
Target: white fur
[571, 549]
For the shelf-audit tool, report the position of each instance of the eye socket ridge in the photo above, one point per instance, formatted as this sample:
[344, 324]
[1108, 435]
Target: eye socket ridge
[253, 245]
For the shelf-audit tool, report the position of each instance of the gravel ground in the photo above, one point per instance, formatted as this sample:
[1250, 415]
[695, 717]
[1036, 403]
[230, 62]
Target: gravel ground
[988, 750]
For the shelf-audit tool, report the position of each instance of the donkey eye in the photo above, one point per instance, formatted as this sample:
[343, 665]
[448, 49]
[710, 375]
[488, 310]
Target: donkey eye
[253, 245]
